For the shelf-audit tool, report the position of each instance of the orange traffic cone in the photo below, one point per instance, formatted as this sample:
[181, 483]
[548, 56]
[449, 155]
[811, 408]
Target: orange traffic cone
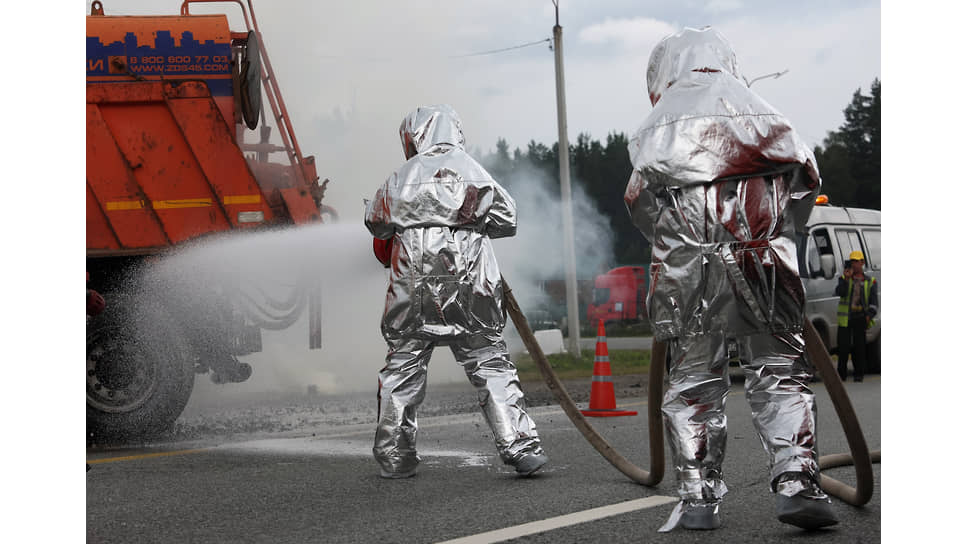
[602, 403]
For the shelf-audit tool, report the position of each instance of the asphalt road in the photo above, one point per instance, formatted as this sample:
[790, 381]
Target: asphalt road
[298, 469]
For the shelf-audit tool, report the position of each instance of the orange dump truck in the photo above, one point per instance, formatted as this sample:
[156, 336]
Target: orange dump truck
[169, 102]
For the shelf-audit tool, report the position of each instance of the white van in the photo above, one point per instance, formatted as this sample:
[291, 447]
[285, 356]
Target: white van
[833, 233]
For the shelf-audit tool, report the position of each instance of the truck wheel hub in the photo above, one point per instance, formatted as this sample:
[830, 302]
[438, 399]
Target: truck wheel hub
[120, 377]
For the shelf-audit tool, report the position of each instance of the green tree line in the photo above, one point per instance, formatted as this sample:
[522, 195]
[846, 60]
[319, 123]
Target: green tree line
[850, 157]
[849, 162]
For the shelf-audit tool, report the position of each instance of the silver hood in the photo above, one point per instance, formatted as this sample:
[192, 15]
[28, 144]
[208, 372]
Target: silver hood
[706, 123]
[431, 129]
[440, 184]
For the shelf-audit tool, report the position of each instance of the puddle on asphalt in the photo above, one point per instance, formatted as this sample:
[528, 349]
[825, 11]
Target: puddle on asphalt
[347, 448]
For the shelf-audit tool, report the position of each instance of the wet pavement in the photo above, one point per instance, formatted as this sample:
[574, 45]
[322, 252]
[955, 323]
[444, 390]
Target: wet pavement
[296, 467]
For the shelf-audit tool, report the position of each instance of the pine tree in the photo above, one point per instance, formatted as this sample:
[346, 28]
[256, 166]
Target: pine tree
[850, 159]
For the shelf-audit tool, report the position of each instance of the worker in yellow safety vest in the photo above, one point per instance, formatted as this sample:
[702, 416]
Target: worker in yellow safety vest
[855, 314]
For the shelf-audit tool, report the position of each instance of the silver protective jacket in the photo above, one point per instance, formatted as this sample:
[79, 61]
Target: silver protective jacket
[441, 208]
[720, 185]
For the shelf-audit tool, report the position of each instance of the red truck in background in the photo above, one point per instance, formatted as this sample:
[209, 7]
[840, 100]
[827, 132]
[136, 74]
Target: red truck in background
[619, 295]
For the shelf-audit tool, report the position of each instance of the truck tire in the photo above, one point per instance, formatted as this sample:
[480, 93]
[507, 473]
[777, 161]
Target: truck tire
[140, 371]
[874, 356]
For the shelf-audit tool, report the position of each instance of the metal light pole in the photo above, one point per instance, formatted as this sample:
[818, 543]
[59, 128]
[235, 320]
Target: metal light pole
[571, 280]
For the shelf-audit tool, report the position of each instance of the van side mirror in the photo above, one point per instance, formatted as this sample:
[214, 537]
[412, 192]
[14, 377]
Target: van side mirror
[827, 266]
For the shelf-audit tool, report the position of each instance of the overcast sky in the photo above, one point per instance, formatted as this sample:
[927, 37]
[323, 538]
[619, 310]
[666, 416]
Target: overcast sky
[350, 71]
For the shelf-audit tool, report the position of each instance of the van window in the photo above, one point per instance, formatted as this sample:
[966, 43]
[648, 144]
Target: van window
[812, 258]
[600, 295]
[822, 240]
[872, 238]
[817, 244]
[849, 240]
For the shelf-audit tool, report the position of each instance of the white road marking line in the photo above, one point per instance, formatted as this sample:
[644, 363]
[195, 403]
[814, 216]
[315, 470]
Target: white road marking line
[566, 520]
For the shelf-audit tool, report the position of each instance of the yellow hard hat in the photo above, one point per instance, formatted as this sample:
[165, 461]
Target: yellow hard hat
[856, 256]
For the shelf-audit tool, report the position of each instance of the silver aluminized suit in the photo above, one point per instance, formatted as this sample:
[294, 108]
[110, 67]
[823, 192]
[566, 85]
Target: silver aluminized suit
[721, 184]
[441, 208]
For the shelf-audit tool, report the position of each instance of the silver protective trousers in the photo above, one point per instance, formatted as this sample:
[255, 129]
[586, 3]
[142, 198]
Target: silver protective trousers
[777, 388]
[488, 367]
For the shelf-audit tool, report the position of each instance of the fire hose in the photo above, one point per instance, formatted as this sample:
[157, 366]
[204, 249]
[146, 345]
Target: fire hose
[860, 456]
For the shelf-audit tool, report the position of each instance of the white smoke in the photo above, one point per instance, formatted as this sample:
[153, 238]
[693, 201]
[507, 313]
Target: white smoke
[271, 265]
[533, 260]
[536, 253]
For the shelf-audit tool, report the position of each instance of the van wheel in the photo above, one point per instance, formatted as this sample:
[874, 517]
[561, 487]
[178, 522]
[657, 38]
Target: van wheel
[874, 356]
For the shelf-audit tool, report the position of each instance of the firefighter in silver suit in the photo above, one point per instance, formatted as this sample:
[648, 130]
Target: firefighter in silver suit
[437, 215]
[721, 187]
